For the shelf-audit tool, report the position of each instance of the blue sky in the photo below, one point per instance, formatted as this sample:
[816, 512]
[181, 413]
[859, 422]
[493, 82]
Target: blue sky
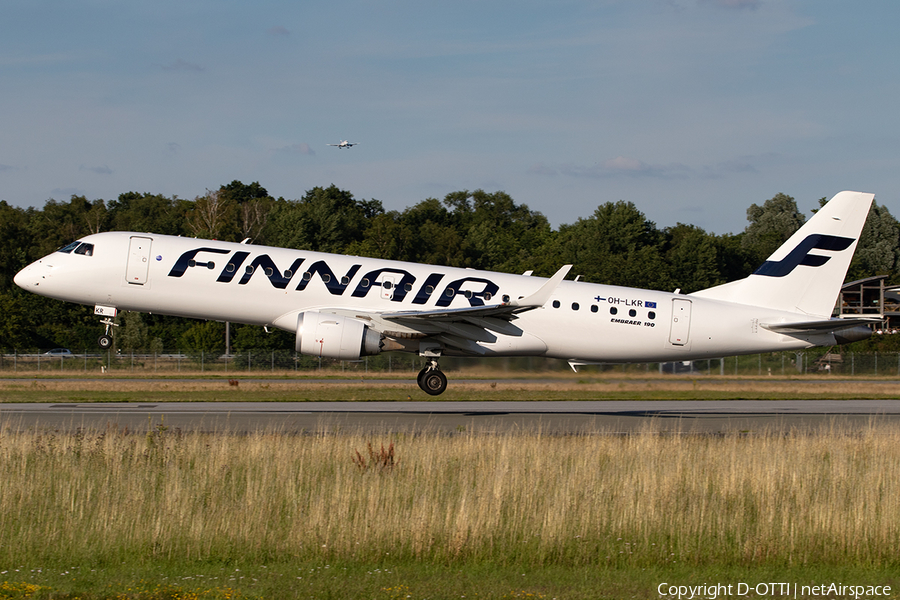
[690, 109]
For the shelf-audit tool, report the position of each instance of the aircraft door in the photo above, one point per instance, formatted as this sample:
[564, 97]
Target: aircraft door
[681, 322]
[138, 267]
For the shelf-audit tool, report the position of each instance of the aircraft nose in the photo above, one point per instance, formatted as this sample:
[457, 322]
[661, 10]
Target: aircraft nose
[28, 278]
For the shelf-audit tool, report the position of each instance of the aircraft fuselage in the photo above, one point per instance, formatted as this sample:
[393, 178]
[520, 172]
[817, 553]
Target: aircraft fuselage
[268, 286]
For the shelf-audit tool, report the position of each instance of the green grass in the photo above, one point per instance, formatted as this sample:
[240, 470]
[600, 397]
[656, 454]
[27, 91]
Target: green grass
[167, 515]
[391, 580]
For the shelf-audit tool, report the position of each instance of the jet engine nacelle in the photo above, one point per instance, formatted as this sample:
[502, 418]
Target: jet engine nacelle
[333, 336]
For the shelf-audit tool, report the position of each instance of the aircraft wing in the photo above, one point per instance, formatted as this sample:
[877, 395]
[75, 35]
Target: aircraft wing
[460, 328]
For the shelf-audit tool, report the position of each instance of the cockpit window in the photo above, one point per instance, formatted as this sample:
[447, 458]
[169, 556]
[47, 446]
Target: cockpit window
[69, 248]
[78, 248]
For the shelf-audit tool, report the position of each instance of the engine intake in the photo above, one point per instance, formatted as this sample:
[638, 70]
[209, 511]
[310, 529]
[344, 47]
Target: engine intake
[334, 336]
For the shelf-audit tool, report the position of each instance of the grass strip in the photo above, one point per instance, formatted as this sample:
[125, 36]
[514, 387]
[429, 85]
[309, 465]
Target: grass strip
[256, 390]
[388, 580]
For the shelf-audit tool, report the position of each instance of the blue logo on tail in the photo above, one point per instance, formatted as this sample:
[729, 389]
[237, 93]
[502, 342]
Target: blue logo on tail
[801, 256]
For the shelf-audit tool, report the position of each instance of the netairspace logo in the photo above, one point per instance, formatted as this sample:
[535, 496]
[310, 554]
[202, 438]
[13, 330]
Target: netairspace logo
[712, 591]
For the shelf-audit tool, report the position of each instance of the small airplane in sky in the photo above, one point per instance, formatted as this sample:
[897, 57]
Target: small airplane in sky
[345, 144]
[347, 307]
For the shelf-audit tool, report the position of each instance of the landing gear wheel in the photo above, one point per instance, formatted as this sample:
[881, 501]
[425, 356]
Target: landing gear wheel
[432, 381]
[105, 341]
[420, 377]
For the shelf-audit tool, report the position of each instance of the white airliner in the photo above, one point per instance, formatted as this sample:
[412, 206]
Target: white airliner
[346, 307]
[345, 144]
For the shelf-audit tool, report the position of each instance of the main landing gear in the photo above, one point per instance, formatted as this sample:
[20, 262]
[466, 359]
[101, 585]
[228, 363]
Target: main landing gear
[432, 381]
[106, 340]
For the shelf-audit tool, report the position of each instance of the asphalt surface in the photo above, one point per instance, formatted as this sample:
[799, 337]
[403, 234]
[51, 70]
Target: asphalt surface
[558, 417]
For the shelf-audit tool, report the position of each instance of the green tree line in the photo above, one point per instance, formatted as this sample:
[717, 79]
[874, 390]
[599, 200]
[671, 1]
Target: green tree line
[616, 244]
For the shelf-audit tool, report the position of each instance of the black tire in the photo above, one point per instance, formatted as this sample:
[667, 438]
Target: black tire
[432, 382]
[420, 377]
[105, 342]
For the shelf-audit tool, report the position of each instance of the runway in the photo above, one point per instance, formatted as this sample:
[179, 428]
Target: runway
[559, 417]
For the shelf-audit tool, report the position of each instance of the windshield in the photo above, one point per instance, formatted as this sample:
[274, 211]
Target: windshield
[79, 248]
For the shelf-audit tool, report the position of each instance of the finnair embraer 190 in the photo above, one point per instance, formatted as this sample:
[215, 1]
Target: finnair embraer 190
[346, 307]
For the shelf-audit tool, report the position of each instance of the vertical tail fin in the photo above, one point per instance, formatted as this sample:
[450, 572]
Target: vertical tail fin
[806, 273]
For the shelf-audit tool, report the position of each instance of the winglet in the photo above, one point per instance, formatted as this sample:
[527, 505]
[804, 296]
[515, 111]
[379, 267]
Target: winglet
[540, 297]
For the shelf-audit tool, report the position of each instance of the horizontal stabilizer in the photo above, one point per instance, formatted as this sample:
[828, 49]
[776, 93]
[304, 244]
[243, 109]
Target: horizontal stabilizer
[822, 326]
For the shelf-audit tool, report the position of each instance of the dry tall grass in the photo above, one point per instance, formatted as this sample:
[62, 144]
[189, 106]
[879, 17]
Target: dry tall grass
[832, 497]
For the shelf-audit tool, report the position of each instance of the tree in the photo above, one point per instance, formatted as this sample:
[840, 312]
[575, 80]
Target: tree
[253, 205]
[424, 233]
[208, 336]
[59, 224]
[133, 335]
[496, 232]
[692, 256]
[770, 226]
[212, 216]
[618, 245]
[15, 240]
[150, 213]
[878, 250]
[324, 220]
[14, 329]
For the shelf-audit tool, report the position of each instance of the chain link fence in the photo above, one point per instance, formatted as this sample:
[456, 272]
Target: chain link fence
[282, 362]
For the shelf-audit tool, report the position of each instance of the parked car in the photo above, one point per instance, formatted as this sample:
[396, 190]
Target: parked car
[58, 352]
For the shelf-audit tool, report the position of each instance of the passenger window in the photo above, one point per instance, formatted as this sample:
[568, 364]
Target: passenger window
[230, 267]
[345, 280]
[632, 313]
[594, 308]
[307, 276]
[575, 306]
[408, 287]
[288, 274]
[556, 304]
[326, 277]
[210, 265]
[248, 269]
[387, 285]
[364, 283]
[651, 315]
[613, 310]
[269, 272]
[429, 289]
